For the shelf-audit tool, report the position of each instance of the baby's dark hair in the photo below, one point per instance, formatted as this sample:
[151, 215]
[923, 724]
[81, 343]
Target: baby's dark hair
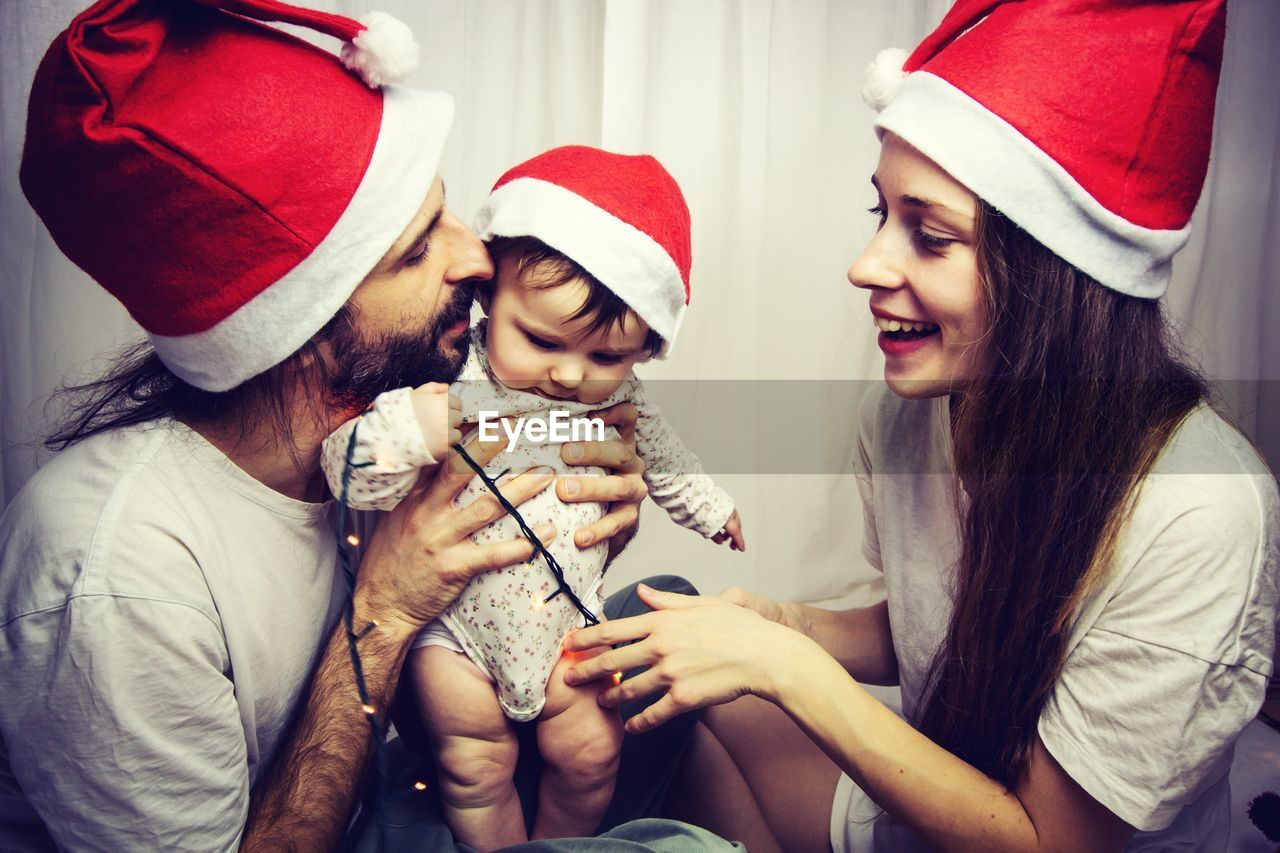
[603, 307]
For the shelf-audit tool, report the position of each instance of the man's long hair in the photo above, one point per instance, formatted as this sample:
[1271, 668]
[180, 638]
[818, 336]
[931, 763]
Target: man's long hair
[1081, 389]
[139, 388]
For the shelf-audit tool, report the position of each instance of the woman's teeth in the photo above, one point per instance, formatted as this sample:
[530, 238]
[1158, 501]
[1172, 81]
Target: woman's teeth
[899, 326]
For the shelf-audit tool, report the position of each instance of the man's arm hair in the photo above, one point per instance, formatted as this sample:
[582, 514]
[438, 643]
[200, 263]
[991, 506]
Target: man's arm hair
[307, 796]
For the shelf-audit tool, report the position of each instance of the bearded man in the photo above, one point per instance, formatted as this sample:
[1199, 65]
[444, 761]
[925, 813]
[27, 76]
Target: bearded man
[176, 673]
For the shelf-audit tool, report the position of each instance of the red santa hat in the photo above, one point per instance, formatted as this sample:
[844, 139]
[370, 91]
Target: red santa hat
[620, 217]
[1086, 122]
[230, 184]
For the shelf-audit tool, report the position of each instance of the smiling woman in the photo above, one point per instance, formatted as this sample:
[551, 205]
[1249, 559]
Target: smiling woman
[1079, 552]
[922, 273]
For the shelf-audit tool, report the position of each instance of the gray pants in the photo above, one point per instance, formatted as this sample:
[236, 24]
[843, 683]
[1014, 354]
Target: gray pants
[407, 819]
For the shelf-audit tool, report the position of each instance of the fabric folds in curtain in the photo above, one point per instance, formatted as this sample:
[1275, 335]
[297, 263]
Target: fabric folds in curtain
[754, 106]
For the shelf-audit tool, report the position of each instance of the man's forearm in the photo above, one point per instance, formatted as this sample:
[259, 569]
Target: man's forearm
[307, 797]
[861, 640]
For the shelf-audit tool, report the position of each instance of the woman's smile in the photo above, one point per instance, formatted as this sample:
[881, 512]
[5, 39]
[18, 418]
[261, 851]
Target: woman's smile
[901, 337]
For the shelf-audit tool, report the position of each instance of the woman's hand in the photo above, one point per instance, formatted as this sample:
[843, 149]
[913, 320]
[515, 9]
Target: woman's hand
[781, 612]
[700, 650]
[421, 556]
[624, 490]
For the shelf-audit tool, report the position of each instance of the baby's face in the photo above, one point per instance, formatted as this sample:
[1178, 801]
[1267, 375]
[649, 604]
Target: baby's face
[534, 346]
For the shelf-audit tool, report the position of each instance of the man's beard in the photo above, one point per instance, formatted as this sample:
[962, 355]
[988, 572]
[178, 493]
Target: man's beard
[364, 368]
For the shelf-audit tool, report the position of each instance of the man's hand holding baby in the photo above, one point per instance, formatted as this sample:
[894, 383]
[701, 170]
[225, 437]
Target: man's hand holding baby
[624, 490]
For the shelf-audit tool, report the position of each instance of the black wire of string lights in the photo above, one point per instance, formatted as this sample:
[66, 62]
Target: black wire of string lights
[538, 548]
[373, 794]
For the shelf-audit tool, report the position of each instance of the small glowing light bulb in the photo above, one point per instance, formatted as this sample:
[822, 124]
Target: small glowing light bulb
[420, 786]
[353, 539]
[617, 678]
[368, 709]
[538, 604]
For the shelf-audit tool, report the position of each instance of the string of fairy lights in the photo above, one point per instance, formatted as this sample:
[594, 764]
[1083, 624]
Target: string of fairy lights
[373, 793]
[538, 548]
[347, 542]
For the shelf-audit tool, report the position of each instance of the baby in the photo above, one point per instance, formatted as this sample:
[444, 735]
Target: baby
[592, 258]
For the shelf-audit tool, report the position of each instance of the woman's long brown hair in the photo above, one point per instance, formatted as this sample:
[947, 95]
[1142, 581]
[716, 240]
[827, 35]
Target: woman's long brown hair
[1081, 389]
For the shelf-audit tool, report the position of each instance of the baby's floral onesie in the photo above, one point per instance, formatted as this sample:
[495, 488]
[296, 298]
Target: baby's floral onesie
[505, 620]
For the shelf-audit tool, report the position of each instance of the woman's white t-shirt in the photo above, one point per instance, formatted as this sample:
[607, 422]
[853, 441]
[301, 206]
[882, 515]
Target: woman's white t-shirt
[1168, 661]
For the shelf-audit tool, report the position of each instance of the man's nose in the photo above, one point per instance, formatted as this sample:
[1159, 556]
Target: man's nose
[469, 259]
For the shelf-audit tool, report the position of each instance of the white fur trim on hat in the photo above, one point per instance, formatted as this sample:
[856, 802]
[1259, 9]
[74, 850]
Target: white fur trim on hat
[275, 323]
[384, 51]
[1001, 166]
[625, 259]
[884, 77]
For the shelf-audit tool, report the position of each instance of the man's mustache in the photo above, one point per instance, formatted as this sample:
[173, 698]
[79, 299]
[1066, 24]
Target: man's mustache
[459, 307]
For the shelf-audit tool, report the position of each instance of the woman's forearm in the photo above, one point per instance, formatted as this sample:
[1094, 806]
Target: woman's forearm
[945, 800]
[307, 797]
[860, 640]
[707, 650]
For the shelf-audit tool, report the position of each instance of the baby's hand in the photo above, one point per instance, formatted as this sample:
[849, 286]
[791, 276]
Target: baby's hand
[732, 533]
[439, 416]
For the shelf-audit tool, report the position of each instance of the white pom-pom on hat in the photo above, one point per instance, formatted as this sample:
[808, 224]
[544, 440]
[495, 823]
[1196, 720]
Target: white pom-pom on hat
[885, 77]
[384, 51]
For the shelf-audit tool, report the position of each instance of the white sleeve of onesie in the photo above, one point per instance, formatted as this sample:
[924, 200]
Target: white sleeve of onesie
[388, 453]
[674, 474]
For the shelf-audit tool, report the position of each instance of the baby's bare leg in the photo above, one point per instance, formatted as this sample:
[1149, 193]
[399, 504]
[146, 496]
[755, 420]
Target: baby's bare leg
[475, 748]
[579, 742]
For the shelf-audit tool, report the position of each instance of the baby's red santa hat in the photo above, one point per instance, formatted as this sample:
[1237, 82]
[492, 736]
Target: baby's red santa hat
[229, 183]
[621, 217]
[1086, 122]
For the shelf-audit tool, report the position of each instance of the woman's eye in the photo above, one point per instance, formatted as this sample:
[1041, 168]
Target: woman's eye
[880, 212]
[931, 242]
[419, 257]
[540, 343]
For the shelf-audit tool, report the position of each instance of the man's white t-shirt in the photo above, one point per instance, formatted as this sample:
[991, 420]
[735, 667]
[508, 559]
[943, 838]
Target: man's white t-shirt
[160, 614]
[1168, 661]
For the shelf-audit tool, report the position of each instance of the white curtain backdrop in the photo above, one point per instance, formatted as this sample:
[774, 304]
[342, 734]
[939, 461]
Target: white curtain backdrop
[754, 107]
